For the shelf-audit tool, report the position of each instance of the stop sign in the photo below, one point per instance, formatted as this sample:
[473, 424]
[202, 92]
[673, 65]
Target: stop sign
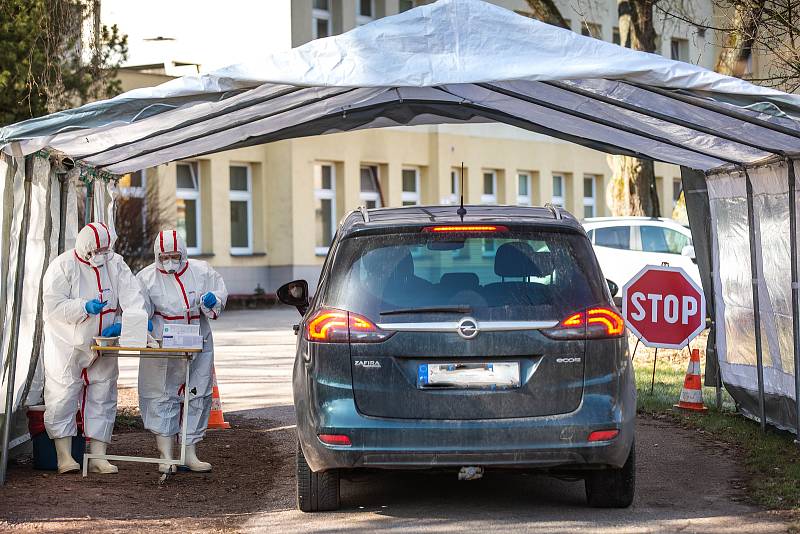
[664, 307]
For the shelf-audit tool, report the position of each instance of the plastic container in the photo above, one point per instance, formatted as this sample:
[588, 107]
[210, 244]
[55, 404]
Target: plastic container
[44, 450]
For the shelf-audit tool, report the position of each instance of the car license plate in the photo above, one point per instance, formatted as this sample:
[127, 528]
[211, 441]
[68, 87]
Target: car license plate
[495, 375]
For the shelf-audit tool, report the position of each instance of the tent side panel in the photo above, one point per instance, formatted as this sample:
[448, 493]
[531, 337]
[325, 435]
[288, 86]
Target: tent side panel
[733, 292]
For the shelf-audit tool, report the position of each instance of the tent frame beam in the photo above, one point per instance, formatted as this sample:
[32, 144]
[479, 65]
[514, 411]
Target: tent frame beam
[657, 115]
[604, 122]
[700, 103]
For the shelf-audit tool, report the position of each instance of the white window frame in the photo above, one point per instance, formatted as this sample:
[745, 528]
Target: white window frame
[590, 202]
[325, 194]
[243, 196]
[559, 200]
[486, 198]
[364, 19]
[371, 196]
[524, 200]
[193, 194]
[455, 187]
[321, 14]
[408, 196]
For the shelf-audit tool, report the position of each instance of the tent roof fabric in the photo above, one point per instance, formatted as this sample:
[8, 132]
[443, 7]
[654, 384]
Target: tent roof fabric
[451, 61]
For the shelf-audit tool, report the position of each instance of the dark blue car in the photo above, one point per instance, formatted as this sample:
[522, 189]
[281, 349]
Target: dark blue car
[485, 340]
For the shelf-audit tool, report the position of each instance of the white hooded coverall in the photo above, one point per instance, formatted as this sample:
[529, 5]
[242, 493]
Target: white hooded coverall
[176, 298]
[72, 382]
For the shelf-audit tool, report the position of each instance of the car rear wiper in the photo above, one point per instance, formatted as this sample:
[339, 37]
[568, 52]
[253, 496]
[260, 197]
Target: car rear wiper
[431, 309]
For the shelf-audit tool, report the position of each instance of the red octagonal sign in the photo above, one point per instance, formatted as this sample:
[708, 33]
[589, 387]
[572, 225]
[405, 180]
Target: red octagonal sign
[664, 307]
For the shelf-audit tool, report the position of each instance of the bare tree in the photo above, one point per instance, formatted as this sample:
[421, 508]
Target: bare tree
[632, 190]
[137, 221]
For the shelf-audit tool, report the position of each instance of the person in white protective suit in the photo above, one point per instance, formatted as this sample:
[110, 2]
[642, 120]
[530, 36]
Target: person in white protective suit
[180, 291]
[84, 292]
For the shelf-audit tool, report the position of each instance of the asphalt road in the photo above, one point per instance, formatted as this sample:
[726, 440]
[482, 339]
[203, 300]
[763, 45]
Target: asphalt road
[685, 482]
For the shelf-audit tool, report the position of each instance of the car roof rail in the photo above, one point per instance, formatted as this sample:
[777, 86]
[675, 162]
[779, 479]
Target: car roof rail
[554, 209]
[364, 213]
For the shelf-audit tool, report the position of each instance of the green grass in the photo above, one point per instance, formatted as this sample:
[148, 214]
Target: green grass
[772, 460]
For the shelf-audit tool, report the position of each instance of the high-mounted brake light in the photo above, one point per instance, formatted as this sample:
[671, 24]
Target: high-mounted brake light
[338, 326]
[465, 228]
[594, 323]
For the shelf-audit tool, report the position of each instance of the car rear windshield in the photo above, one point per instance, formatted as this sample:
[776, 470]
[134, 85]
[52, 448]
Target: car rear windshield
[530, 275]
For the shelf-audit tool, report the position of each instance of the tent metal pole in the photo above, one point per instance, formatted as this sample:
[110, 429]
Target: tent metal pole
[16, 314]
[700, 103]
[756, 304]
[795, 293]
[89, 205]
[62, 211]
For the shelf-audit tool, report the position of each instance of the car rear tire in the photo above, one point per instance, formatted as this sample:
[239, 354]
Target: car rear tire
[316, 491]
[613, 488]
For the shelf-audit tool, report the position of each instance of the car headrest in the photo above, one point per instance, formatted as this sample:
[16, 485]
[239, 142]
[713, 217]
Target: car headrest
[515, 259]
[404, 268]
[460, 280]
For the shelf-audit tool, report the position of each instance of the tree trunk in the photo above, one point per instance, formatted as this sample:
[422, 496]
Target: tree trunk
[737, 44]
[546, 11]
[632, 189]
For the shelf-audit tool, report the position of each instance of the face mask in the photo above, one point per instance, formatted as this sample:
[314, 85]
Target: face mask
[98, 260]
[171, 266]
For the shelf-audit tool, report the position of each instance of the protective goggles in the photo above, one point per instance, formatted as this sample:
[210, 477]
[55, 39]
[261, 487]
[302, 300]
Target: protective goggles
[167, 256]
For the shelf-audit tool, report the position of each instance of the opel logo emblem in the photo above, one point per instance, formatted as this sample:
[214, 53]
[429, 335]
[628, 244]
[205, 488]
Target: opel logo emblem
[468, 328]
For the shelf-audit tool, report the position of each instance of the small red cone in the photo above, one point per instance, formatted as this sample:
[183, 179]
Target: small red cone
[216, 420]
[692, 392]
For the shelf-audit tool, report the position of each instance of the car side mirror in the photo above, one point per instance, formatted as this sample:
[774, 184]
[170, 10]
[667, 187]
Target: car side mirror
[295, 294]
[613, 287]
[688, 251]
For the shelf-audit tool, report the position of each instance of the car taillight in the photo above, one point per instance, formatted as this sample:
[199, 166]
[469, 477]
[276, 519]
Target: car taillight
[464, 228]
[335, 439]
[593, 323]
[603, 435]
[338, 326]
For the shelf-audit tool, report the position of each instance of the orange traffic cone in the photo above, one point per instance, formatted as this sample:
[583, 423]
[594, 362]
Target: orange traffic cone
[692, 392]
[216, 420]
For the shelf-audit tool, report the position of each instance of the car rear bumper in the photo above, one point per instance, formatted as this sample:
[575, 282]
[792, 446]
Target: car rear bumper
[559, 441]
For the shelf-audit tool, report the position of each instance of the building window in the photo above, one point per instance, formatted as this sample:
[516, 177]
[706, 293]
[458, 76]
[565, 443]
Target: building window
[679, 49]
[589, 29]
[241, 199]
[455, 185]
[558, 191]
[131, 211]
[405, 5]
[615, 36]
[188, 201]
[489, 195]
[677, 189]
[370, 192]
[325, 208]
[589, 183]
[321, 19]
[365, 11]
[524, 189]
[410, 187]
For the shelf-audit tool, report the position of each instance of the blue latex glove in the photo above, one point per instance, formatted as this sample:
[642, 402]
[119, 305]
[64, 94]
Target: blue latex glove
[93, 307]
[112, 331]
[149, 325]
[209, 299]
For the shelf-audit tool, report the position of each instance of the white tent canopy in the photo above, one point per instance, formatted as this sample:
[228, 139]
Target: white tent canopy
[451, 61]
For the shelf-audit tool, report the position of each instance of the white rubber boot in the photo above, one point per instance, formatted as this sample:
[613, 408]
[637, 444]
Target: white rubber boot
[99, 465]
[66, 462]
[193, 463]
[164, 444]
